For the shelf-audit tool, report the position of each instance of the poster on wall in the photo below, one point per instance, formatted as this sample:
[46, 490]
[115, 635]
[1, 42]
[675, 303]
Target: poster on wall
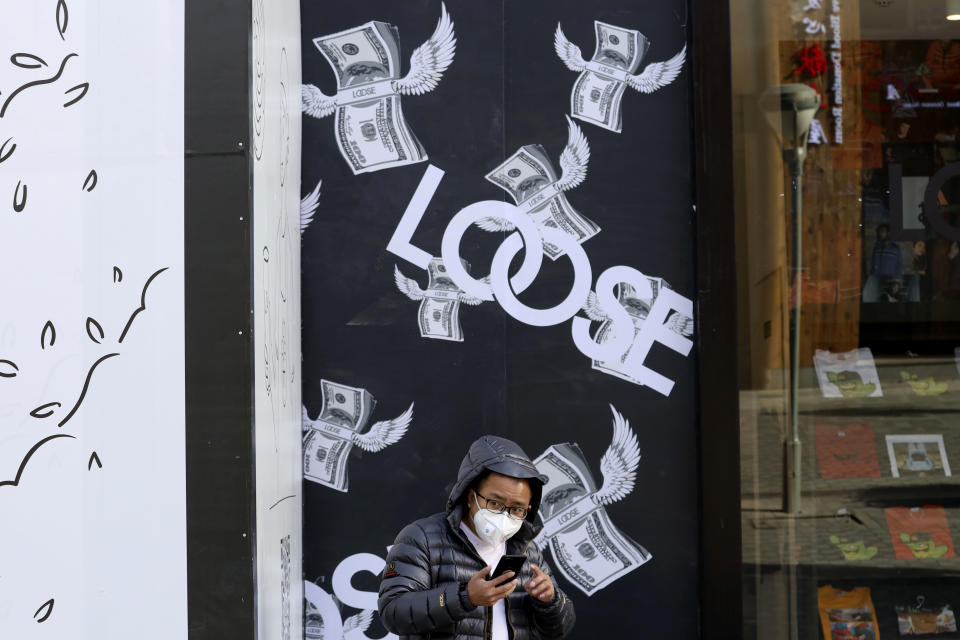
[279, 218]
[92, 459]
[492, 251]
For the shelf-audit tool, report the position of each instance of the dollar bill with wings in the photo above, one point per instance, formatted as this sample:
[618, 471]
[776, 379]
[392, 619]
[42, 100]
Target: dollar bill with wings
[439, 315]
[328, 439]
[598, 92]
[370, 129]
[638, 306]
[530, 179]
[323, 619]
[587, 549]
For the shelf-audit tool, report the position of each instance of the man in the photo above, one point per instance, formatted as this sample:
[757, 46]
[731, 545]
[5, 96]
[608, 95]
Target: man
[435, 582]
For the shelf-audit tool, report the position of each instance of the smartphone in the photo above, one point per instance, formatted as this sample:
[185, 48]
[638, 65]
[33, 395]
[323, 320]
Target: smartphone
[508, 563]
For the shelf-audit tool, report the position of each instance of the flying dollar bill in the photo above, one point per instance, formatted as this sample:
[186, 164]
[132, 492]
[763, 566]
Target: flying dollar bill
[598, 91]
[639, 308]
[370, 129]
[530, 179]
[324, 621]
[439, 315]
[587, 549]
[328, 439]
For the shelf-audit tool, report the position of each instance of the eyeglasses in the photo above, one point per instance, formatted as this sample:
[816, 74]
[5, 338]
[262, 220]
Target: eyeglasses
[517, 513]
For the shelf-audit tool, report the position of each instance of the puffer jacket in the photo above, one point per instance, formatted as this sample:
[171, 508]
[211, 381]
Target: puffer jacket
[423, 590]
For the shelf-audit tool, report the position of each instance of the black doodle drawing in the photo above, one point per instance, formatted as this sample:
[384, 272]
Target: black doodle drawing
[15, 482]
[8, 369]
[259, 69]
[83, 87]
[94, 329]
[48, 605]
[91, 182]
[27, 61]
[48, 337]
[4, 153]
[63, 17]
[86, 386]
[35, 83]
[143, 303]
[281, 500]
[94, 458]
[45, 410]
[117, 274]
[20, 197]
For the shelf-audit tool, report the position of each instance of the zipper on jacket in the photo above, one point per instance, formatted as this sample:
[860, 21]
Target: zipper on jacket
[487, 632]
[513, 632]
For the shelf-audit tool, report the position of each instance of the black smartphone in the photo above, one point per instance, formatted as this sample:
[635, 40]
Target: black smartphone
[508, 563]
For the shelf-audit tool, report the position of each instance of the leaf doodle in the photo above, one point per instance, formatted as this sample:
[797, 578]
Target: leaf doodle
[117, 274]
[86, 386]
[83, 86]
[20, 197]
[63, 17]
[27, 61]
[36, 83]
[44, 410]
[94, 458]
[8, 369]
[23, 464]
[143, 303]
[48, 337]
[48, 605]
[94, 327]
[91, 182]
[4, 155]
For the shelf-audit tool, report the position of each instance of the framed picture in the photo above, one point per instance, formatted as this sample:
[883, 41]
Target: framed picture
[917, 455]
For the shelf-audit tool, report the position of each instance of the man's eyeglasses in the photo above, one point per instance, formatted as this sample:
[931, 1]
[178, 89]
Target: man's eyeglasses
[517, 513]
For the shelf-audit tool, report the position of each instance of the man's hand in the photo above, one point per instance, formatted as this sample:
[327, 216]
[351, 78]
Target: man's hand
[540, 586]
[484, 593]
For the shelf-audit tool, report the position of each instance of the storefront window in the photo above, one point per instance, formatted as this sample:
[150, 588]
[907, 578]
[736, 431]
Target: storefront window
[848, 270]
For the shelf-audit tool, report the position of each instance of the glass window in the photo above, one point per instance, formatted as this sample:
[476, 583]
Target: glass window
[846, 124]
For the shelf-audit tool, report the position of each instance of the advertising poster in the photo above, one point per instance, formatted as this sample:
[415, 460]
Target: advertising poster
[497, 238]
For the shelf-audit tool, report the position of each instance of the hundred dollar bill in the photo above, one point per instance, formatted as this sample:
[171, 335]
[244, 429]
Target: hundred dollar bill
[591, 553]
[639, 309]
[370, 129]
[530, 179]
[598, 92]
[587, 549]
[439, 315]
[327, 445]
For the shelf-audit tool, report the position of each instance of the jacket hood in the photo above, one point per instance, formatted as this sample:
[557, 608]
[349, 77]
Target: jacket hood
[503, 456]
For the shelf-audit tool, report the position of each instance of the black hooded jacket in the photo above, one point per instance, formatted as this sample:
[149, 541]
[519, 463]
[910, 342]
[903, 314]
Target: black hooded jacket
[423, 592]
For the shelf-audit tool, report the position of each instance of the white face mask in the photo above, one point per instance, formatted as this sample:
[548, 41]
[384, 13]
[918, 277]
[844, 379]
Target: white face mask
[494, 528]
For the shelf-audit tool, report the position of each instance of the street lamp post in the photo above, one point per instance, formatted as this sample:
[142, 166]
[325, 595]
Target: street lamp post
[789, 109]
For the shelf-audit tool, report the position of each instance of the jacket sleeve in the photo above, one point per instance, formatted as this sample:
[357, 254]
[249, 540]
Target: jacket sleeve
[554, 619]
[409, 604]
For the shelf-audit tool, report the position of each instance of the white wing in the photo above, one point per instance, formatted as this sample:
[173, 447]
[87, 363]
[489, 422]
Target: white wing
[493, 224]
[308, 207]
[658, 74]
[354, 626]
[574, 159]
[407, 286]
[430, 59]
[384, 433]
[466, 298]
[619, 463]
[592, 308]
[316, 103]
[568, 52]
[681, 324]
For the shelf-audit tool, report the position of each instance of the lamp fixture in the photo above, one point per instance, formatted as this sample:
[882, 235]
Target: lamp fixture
[953, 10]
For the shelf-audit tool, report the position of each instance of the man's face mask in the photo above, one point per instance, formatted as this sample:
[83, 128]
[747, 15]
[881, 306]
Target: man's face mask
[494, 528]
